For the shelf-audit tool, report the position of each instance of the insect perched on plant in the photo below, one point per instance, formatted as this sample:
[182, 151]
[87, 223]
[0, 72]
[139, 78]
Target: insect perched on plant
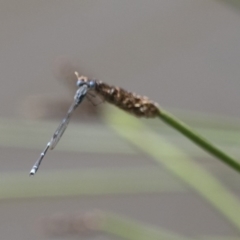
[128, 101]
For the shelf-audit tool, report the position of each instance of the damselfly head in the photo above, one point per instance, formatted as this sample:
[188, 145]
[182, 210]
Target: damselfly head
[84, 80]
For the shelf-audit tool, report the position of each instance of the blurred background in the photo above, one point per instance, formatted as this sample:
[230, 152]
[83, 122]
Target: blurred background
[98, 183]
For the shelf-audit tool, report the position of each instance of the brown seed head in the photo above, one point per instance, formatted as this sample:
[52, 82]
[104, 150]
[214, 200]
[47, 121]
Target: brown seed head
[128, 101]
[137, 105]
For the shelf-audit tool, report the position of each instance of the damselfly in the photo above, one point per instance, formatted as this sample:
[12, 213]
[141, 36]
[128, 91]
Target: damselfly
[83, 88]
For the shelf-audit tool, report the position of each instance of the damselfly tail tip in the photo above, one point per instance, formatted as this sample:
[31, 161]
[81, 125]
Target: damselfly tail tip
[33, 171]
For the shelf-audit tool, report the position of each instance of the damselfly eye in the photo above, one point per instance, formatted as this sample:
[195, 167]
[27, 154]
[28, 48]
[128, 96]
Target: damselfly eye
[91, 84]
[80, 83]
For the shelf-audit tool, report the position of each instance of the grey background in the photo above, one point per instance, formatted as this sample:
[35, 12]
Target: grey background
[184, 54]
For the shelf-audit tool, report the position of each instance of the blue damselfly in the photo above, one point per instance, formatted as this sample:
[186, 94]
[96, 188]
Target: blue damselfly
[83, 88]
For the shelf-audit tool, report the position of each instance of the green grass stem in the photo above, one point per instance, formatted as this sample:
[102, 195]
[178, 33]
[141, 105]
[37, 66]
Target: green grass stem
[179, 163]
[199, 140]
